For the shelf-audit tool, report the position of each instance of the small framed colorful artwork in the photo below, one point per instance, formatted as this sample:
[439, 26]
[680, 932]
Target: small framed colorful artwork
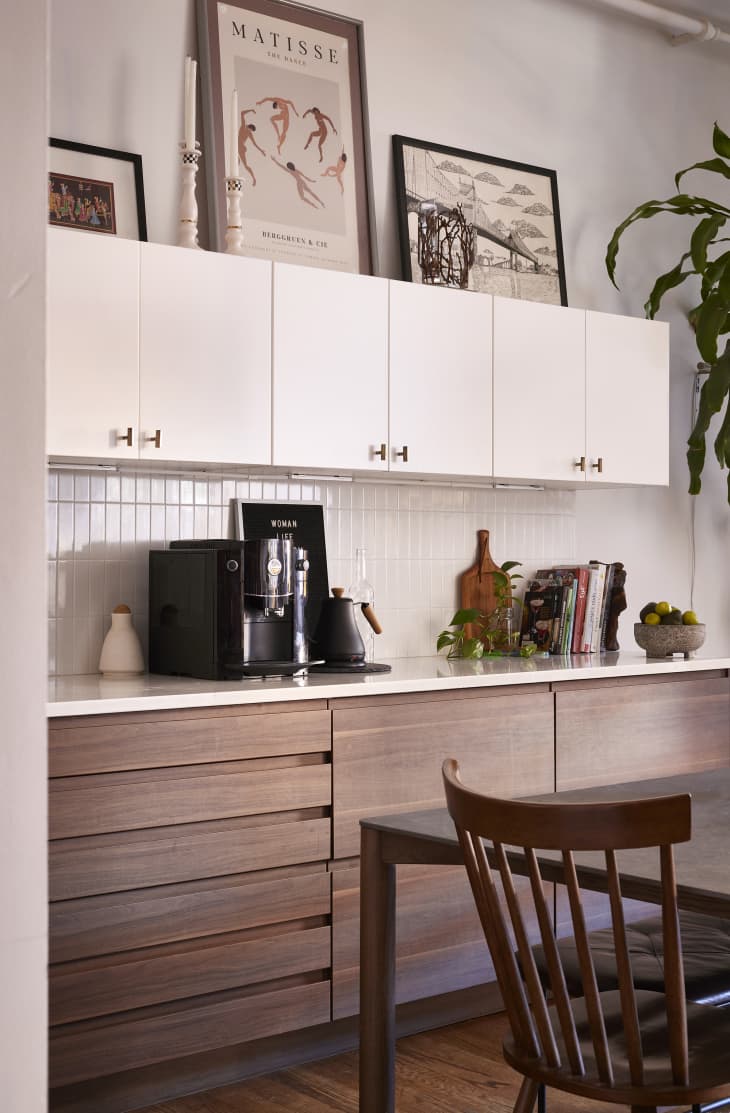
[96, 189]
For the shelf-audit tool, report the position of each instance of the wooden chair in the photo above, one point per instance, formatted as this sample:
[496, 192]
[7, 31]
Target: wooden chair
[628, 1046]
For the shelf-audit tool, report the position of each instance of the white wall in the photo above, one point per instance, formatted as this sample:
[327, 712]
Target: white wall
[23, 942]
[605, 101]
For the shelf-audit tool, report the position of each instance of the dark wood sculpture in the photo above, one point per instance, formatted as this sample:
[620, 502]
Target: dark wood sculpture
[616, 604]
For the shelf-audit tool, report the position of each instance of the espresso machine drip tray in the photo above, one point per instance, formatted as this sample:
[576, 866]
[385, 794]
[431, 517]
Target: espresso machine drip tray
[355, 668]
[262, 669]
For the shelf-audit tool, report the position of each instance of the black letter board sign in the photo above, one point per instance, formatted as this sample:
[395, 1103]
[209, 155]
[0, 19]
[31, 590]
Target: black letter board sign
[303, 523]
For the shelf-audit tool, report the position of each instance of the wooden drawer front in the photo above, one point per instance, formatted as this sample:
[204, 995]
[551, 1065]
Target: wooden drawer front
[110, 864]
[125, 801]
[389, 759]
[440, 945]
[631, 733]
[91, 1050]
[123, 744]
[90, 988]
[104, 925]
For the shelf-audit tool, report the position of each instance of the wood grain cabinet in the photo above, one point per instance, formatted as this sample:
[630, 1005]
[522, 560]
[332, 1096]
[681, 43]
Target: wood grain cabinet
[204, 873]
[387, 756]
[633, 729]
[191, 905]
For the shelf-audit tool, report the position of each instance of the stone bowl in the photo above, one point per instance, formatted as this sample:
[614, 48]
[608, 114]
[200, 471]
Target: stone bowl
[664, 641]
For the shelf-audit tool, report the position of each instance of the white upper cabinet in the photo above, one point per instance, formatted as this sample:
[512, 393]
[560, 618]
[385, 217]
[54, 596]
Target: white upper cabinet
[440, 380]
[539, 391]
[330, 369]
[627, 435]
[164, 354]
[205, 357]
[93, 342]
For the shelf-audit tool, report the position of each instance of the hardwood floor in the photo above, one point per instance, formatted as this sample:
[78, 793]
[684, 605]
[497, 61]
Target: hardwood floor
[450, 1070]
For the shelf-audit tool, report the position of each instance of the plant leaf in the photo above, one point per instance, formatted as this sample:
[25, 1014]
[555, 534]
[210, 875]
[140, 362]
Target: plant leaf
[665, 282]
[472, 648]
[720, 142]
[722, 440]
[702, 236]
[710, 321]
[444, 638]
[466, 614]
[509, 564]
[501, 580]
[712, 396]
[714, 165]
[641, 212]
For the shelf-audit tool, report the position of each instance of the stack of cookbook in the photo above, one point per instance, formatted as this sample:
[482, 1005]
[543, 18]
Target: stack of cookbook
[566, 609]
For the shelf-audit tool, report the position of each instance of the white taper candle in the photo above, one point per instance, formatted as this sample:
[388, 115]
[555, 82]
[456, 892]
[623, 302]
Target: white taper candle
[191, 71]
[233, 137]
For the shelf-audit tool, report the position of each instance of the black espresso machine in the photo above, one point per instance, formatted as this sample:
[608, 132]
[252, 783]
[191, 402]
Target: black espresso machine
[222, 610]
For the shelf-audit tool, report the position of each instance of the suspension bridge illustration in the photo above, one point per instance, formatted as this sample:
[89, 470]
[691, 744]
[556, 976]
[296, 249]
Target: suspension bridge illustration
[425, 182]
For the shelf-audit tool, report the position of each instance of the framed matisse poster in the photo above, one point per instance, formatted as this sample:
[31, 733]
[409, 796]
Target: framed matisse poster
[96, 189]
[493, 223]
[283, 103]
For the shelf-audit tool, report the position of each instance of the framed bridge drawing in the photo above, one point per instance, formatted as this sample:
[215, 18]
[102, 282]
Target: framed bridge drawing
[478, 222]
[284, 105]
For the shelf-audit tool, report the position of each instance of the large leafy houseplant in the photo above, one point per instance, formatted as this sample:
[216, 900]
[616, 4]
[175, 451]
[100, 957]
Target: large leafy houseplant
[710, 318]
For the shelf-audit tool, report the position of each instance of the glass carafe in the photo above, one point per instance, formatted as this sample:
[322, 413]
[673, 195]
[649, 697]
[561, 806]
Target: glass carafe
[362, 591]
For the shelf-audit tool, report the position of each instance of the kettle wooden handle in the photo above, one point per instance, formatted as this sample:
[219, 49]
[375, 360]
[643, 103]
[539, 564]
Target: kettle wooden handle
[338, 592]
[369, 613]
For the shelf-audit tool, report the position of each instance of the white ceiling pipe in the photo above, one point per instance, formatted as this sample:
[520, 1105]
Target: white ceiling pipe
[682, 28]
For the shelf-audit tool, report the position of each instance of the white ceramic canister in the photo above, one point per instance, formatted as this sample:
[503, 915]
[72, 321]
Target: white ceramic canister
[121, 653]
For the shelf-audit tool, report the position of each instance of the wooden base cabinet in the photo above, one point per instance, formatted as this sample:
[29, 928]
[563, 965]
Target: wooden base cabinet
[204, 873]
[387, 756]
[191, 904]
[639, 728]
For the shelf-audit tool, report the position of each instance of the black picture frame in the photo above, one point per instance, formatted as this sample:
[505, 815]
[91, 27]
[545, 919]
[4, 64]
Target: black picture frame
[510, 266]
[282, 50]
[116, 174]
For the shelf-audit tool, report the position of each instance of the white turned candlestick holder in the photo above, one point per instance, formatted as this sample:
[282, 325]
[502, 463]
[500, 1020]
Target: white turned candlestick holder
[234, 229]
[188, 232]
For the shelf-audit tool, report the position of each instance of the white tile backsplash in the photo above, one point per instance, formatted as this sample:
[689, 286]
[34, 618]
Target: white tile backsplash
[419, 537]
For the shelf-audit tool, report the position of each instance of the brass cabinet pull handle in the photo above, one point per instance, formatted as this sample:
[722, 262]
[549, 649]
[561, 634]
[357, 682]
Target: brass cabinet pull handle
[598, 464]
[404, 453]
[156, 439]
[381, 452]
[580, 463]
[128, 437]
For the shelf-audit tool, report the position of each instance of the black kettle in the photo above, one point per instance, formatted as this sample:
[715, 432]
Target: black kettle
[336, 636]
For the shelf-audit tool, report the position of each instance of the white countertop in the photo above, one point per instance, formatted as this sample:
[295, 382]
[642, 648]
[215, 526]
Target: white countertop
[94, 695]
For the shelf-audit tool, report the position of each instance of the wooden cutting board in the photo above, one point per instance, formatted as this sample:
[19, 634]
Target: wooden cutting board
[477, 585]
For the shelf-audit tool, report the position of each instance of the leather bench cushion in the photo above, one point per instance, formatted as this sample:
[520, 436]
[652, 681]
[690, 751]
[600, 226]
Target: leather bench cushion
[705, 949]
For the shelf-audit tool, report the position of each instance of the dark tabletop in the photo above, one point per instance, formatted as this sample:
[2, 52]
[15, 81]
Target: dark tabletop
[703, 863]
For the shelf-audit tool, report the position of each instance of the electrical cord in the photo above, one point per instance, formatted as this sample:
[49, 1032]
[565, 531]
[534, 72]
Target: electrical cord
[702, 369]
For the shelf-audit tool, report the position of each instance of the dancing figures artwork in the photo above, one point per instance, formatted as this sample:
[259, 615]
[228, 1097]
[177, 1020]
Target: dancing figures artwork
[293, 76]
[510, 210]
[95, 189]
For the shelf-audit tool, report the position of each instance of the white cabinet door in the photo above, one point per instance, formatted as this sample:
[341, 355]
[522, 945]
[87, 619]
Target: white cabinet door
[440, 380]
[93, 344]
[205, 357]
[330, 369]
[627, 361]
[539, 391]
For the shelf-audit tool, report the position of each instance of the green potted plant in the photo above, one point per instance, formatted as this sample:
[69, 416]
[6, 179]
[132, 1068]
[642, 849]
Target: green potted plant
[710, 318]
[495, 632]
